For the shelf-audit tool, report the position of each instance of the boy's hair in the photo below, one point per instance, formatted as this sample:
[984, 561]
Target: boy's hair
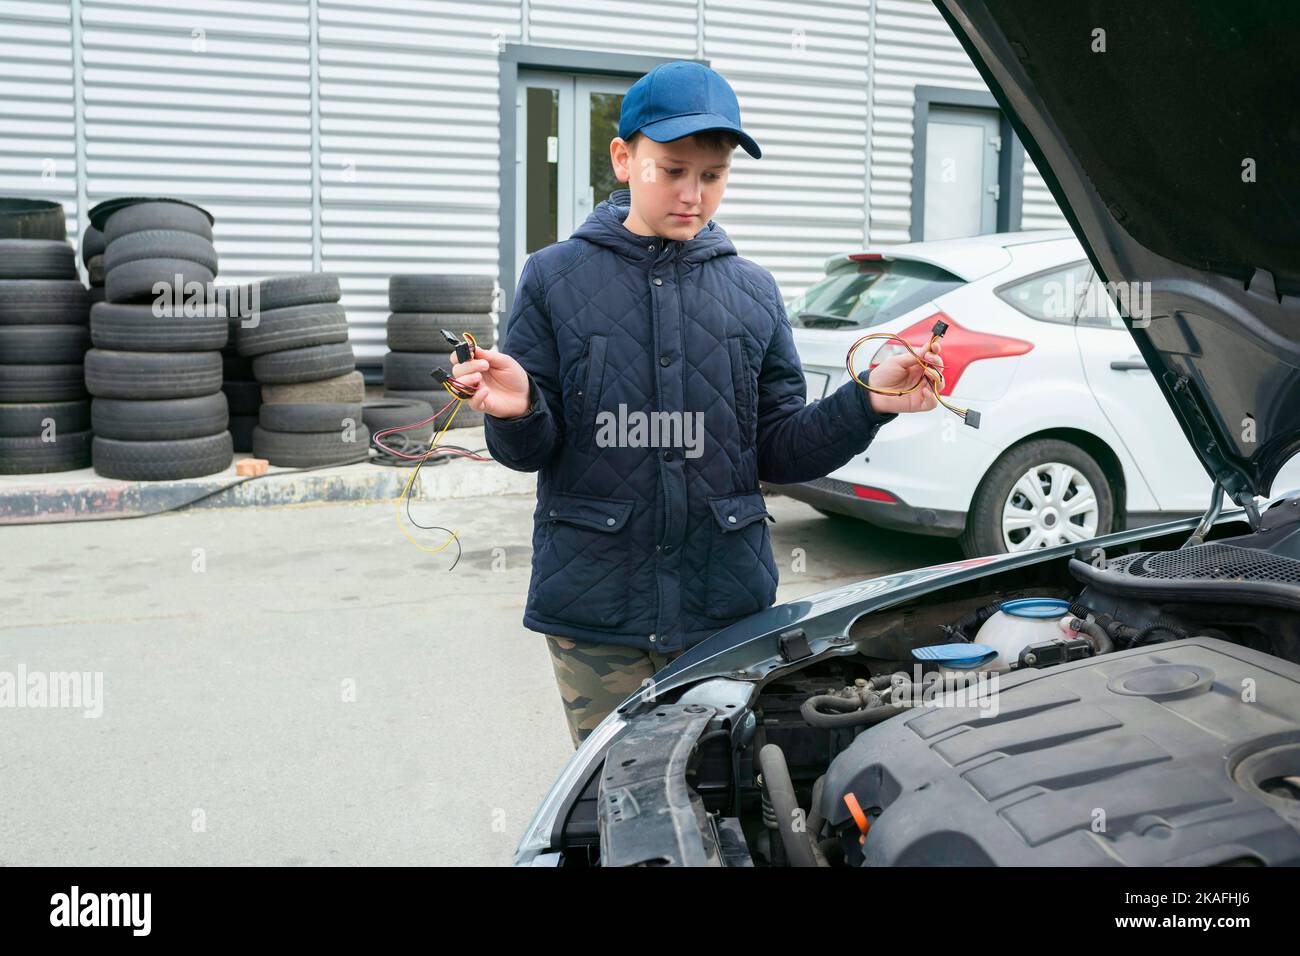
[716, 139]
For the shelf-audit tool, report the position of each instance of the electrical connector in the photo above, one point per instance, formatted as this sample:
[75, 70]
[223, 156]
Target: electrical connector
[464, 350]
[940, 327]
[972, 418]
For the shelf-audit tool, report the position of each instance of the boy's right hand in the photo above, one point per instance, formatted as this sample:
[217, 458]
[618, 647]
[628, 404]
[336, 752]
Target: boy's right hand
[503, 387]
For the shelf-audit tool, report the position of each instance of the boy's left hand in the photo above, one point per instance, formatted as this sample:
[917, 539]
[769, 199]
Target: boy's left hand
[903, 371]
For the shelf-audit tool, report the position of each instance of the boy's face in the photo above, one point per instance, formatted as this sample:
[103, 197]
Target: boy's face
[666, 179]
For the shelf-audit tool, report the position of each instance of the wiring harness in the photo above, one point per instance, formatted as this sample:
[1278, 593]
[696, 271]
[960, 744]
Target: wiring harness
[935, 382]
[409, 451]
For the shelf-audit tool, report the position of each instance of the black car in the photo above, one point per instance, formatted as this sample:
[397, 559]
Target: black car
[1151, 714]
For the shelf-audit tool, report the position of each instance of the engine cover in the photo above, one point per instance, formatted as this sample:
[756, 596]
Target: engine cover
[1176, 753]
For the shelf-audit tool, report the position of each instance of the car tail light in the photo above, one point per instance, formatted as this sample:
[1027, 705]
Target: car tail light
[866, 257]
[874, 494]
[961, 347]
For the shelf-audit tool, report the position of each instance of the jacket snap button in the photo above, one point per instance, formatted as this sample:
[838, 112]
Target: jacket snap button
[668, 456]
[658, 281]
[667, 548]
[651, 247]
[652, 638]
[552, 512]
[731, 518]
[665, 360]
[610, 521]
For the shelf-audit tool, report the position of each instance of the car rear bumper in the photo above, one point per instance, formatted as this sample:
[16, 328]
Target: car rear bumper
[838, 496]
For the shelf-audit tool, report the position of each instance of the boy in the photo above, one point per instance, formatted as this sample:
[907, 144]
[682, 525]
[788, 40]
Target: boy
[649, 374]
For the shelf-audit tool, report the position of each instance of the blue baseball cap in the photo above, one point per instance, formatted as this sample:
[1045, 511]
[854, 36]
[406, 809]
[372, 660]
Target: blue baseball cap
[680, 98]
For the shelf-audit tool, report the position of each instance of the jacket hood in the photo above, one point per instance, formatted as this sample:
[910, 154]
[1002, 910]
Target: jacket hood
[605, 227]
[1154, 125]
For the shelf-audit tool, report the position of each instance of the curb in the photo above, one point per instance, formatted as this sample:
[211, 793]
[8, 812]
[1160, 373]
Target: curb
[83, 495]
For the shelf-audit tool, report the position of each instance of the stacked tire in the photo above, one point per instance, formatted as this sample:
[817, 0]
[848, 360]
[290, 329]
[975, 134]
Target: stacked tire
[92, 257]
[312, 394]
[243, 391]
[156, 372]
[44, 409]
[422, 306]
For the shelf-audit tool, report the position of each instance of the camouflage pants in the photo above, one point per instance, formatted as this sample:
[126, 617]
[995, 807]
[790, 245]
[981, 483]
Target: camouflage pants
[596, 678]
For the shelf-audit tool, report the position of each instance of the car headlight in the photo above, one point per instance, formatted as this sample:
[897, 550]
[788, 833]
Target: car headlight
[537, 838]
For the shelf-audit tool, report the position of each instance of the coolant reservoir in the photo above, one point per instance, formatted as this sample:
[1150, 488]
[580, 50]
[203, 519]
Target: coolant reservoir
[1019, 623]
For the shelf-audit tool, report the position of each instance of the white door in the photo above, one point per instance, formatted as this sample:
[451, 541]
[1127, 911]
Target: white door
[565, 124]
[961, 173]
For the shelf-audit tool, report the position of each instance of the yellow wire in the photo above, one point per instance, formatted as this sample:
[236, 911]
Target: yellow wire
[935, 386]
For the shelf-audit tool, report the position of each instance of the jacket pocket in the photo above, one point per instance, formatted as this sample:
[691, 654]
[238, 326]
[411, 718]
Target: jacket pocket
[585, 566]
[741, 575]
[590, 379]
[745, 389]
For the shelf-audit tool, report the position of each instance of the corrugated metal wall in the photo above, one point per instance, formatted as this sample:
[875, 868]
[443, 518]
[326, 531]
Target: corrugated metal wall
[218, 101]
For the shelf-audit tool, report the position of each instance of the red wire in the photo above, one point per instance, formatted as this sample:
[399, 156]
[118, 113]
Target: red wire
[439, 448]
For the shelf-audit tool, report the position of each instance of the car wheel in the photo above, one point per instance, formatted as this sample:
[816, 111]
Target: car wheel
[350, 387]
[36, 259]
[135, 328]
[311, 449]
[293, 327]
[309, 364]
[162, 460]
[114, 374]
[1038, 495]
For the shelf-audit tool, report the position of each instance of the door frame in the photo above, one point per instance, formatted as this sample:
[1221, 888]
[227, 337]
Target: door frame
[514, 57]
[1011, 158]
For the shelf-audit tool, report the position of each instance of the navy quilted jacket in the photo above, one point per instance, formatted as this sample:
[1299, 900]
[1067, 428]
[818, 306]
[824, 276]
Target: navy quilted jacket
[646, 545]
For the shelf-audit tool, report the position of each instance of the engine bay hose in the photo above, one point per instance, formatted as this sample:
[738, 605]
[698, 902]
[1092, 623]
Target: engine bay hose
[780, 790]
[852, 713]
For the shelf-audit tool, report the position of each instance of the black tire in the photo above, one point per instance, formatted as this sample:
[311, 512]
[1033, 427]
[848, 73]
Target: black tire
[37, 259]
[43, 344]
[35, 456]
[138, 375]
[347, 388]
[135, 281]
[27, 419]
[421, 331]
[465, 418]
[134, 328]
[236, 368]
[241, 431]
[32, 219]
[304, 365]
[318, 417]
[41, 383]
[311, 449]
[43, 302]
[308, 288]
[983, 534]
[293, 327]
[244, 398]
[157, 214]
[440, 293]
[413, 371]
[160, 419]
[381, 413]
[95, 271]
[162, 460]
[161, 244]
[93, 244]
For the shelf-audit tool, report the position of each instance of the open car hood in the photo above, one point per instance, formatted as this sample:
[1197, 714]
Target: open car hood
[1169, 134]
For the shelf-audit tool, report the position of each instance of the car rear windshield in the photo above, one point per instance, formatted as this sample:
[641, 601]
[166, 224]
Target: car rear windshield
[870, 294]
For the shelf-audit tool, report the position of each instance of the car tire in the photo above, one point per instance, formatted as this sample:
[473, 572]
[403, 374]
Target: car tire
[308, 288]
[139, 375]
[32, 219]
[37, 259]
[165, 419]
[314, 417]
[293, 327]
[984, 533]
[311, 449]
[28, 419]
[135, 281]
[33, 455]
[412, 371]
[41, 383]
[95, 272]
[349, 388]
[440, 293]
[43, 302]
[161, 244]
[465, 418]
[304, 365]
[93, 244]
[422, 331]
[157, 215]
[43, 344]
[162, 460]
[135, 328]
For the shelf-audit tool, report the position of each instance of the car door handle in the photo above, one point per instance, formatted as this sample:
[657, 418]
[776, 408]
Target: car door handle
[1129, 365]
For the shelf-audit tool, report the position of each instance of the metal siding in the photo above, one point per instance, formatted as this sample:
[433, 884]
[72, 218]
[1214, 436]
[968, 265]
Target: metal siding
[221, 119]
[668, 28]
[800, 74]
[410, 146]
[38, 155]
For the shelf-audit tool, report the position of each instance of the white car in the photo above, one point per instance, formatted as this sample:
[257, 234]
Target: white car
[1074, 440]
